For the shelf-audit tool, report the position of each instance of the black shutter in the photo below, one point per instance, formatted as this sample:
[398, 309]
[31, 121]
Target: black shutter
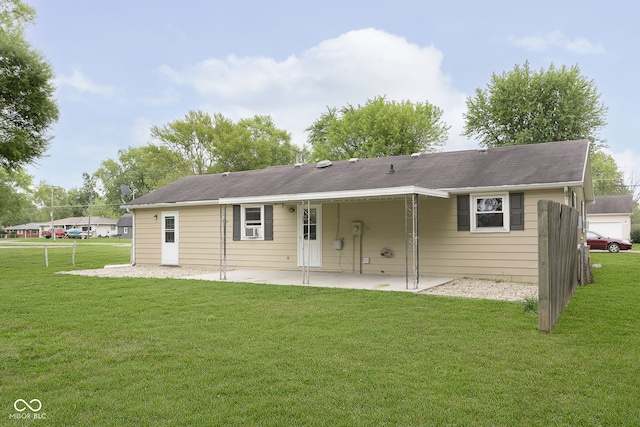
[464, 214]
[237, 229]
[268, 222]
[516, 210]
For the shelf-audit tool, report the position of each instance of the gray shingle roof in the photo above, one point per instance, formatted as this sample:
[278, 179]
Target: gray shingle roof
[617, 204]
[536, 164]
[125, 220]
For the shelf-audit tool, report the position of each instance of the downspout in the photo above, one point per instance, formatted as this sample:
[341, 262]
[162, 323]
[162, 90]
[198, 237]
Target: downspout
[566, 196]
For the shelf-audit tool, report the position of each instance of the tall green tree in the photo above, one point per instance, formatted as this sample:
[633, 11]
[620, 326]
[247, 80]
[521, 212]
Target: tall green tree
[379, 128]
[607, 178]
[27, 98]
[253, 143]
[15, 204]
[215, 143]
[192, 138]
[142, 169]
[528, 107]
[50, 200]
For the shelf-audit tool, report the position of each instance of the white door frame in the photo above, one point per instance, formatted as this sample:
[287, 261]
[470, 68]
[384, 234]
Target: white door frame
[170, 240]
[311, 248]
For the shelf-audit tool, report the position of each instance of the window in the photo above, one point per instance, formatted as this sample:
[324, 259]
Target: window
[252, 217]
[170, 229]
[490, 212]
[253, 222]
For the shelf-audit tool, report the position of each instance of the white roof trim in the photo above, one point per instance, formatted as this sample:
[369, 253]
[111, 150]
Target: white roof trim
[335, 195]
[522, 187]
[172, 205]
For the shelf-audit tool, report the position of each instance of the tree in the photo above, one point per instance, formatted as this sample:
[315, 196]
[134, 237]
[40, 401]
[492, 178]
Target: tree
[26, 91]
[51, 200]
[143, 169]
[377, 129]
[607, 178]
[526, 107]
[216, 144]
[192, 138]
[253, 144]
[15, 205]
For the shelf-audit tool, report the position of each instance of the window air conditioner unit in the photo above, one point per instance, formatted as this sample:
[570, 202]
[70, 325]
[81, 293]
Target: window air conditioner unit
[251, 233]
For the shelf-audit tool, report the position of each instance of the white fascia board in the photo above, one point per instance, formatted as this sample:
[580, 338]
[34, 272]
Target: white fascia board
[171, 205]
[503, 188]
[336, 195]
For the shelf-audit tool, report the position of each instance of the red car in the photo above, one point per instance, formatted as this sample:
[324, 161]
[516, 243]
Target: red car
[597, 241]
[59, 233]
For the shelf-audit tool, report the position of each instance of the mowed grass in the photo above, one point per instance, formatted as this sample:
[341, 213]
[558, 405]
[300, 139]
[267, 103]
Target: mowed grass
[164, 352]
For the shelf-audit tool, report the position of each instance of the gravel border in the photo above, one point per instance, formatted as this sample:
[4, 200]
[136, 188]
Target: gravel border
[486, 289]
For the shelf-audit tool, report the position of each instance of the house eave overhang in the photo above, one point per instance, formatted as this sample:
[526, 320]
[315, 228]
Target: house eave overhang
[363, 194]
[171, 204]
[518, 187]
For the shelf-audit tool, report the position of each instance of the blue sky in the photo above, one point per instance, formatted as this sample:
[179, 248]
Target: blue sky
[124, 66]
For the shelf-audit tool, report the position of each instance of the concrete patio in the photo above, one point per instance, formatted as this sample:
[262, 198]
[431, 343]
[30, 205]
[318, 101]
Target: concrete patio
[327, 280]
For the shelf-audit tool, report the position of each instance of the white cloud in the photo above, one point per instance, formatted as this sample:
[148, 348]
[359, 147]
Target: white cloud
[348, 69]
[82, 83]
[556, 39]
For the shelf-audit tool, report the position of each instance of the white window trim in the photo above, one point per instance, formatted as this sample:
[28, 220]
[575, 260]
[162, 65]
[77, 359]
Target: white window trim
[506, 214]
[243, 226]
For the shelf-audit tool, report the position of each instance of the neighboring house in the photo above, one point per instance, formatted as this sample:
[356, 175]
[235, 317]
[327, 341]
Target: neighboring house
[100, 226]
[611, 216]
[23, 231]
[452, 214]
[125, 226]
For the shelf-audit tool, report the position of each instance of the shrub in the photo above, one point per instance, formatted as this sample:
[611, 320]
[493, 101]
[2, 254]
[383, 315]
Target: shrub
[635, 235]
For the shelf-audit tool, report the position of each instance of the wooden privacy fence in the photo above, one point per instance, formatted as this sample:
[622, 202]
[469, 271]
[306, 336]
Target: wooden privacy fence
[557, 260]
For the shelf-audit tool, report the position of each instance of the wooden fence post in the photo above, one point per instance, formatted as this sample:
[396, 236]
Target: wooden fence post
[543, 266]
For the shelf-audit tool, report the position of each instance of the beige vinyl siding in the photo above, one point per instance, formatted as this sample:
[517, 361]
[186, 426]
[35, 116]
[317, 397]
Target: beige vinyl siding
[512, 255]
[148, 239]
[444, 251]
[198, 229]
[199, 238]
[279, 253]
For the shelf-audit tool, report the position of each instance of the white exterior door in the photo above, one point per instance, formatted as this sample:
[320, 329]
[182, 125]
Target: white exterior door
[310, 236]
[170, 253]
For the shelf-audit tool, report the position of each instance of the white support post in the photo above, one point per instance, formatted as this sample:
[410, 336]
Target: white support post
[412, 255]
[306, 252]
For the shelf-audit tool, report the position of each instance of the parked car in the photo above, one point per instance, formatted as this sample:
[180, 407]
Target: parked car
[74, 233]
[59, 233]
[598, 241]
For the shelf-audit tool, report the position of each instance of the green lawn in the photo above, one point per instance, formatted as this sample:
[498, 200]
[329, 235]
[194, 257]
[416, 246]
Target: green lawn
[125, 352]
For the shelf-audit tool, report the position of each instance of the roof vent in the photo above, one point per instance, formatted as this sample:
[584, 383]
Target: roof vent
[353, 160]
[415, 155]
[482, 150]
[391, 171]
[226, 173]
[298, 165]
[324, 164]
